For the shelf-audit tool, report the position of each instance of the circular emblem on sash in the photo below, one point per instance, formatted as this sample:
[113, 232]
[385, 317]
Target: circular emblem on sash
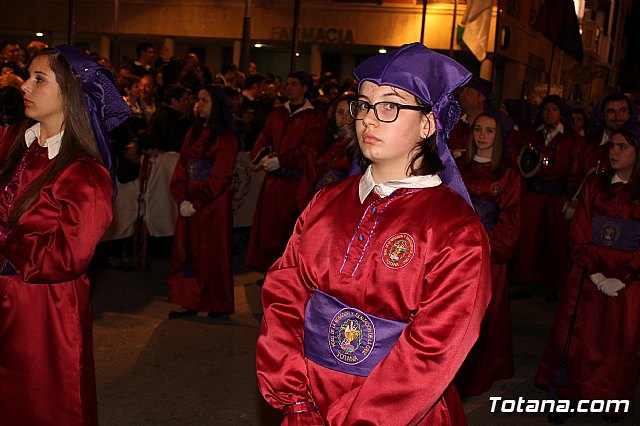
[495, 189]
[398, 250]
[610, 233]
[352, 336]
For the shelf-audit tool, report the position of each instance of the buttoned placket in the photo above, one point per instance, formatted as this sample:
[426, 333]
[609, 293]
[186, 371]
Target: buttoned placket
[364, 233]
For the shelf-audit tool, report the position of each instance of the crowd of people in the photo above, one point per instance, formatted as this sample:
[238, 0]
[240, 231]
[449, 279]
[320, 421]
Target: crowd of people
[555, 192]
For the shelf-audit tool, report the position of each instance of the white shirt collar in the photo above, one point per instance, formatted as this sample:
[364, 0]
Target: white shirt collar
[605, 138]
[482, 160]
[617, 179]
[306, 105]
[367, 184]
[558, 129]
[52, 143]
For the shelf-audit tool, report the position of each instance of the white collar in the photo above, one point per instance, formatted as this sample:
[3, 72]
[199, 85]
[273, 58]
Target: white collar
[52, 143]
[367, 184]
[482, 160]
[306, 105]
[558, 129]
[617, 179]
[605, 138]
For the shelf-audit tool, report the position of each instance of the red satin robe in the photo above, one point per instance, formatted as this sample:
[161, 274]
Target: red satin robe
[603, 358]
[46, 355]
[295, 138]
[491, 358]
[460, 135]
[441, 291]
[590, 155]
[542, 257]
[201, 277]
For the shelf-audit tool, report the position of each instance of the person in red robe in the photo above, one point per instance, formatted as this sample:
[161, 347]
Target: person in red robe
[380, 293]
[55, 206]
[201, 278]
[542, 258]
[495, 187]
[292, 135]
[604, 286]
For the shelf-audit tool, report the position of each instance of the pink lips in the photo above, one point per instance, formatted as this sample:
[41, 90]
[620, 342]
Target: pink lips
[367, 138]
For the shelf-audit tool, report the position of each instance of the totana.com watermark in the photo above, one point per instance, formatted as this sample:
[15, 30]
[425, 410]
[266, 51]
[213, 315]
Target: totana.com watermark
[522, 405]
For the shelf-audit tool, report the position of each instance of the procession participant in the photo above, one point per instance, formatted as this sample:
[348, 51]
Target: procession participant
[542, 258]
[379, 295]
[55, 206]
[292, 134]
[495, 187]
[201, 278]
[602, 361]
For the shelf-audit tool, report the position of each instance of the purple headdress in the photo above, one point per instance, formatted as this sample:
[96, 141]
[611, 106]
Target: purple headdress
[432, 78]
[104, 104]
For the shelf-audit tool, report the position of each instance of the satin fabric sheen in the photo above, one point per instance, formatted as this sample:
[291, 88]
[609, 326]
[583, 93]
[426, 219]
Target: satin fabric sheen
[46, 356]
[442, 292]
[206, 284]
[296, 138]
[491, 358]
[603, 358]
[542, 257]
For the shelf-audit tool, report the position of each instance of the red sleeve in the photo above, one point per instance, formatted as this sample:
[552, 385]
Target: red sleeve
[583, 253]
[179, 180]
[422, 364]
[222, 171]
[504, 235]
[284, 381]
[55, 238]
[265, 136]
[312, 140]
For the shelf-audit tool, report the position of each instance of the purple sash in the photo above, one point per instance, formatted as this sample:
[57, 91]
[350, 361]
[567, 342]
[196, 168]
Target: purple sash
[346, 339]
[615, 232]
[199, 169]
[488, 211]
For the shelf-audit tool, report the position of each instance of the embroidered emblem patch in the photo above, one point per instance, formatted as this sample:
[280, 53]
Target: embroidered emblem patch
[495, 189]
[398, 250]
[610, 233]
[352, 336]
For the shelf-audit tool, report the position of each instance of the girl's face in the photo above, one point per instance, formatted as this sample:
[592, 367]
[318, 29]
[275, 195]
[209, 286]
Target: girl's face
[551, 114]
[343, 118]
[203, 104]
[622, 155]
[391, 145]
[42, 97]
[134, 91]
[484, 132]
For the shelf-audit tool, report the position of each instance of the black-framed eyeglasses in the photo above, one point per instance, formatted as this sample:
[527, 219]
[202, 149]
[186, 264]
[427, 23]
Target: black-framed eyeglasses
[386, 112]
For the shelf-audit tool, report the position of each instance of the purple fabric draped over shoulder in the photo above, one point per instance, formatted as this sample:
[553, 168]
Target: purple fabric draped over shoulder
[432, 78]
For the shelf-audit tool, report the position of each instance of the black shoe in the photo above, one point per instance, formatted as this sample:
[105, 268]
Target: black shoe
[180, 314]
[519, 294]
[611, 419]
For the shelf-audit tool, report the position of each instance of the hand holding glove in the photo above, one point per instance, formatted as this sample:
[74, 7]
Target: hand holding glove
[186, 209]
[270, 163]
[608, 286]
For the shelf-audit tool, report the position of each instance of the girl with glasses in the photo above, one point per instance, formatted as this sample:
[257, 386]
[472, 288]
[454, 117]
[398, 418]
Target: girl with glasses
[379, 295]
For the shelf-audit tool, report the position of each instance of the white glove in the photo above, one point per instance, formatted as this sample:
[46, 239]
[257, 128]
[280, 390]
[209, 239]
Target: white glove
[186, 209]
[457, 153]
[568, 209]
[270, 163]
[611, 286]
[597, 278]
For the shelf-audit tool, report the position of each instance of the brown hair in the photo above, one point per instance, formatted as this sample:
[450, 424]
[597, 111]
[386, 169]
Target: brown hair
[78, 139]
[633, 140]
[496, 153]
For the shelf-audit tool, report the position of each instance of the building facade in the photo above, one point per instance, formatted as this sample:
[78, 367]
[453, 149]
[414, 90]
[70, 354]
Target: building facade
[335, 35]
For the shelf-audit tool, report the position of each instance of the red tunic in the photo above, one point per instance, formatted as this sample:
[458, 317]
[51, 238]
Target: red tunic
[603, 359]
[542, 257]
[460, 135]
[201, 278]
[46, 356]
[441, 291]
[491, 358]
[295, 138]
[590, 155]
